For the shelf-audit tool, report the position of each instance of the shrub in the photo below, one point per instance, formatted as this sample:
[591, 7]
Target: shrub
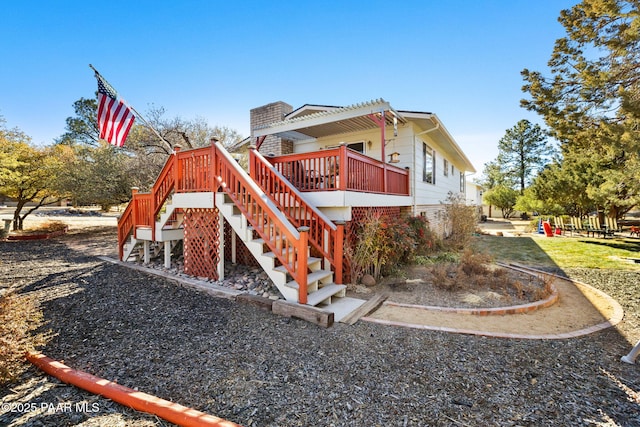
[19, 317]
[460, 222]
[426, 241]
[385, 243]
[50, 227]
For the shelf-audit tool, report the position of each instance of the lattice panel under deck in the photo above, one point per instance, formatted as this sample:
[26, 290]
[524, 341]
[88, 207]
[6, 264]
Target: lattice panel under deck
[359, 213]
[201, 241]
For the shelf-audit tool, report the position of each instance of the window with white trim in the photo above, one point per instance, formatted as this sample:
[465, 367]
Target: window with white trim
[445, 168]
[428, 164]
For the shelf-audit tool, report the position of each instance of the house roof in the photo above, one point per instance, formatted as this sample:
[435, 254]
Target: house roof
[316, 121]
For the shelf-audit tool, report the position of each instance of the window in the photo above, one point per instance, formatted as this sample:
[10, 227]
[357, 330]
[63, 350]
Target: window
[453, 170]
[357, 146]
[462, 182]
[429, 164]
[445, 168]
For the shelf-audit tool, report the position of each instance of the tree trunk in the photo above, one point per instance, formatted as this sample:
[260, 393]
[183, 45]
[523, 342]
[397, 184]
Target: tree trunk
[17, 220]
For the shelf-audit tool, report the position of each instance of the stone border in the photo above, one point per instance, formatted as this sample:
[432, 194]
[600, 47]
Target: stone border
[616, 317]
[210, 288]
[499, 311]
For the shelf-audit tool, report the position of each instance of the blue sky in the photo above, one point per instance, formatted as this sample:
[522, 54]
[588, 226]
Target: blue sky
[218, 59]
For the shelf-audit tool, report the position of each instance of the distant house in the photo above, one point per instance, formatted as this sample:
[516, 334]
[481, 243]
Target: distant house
[313, 174]
[473, 195]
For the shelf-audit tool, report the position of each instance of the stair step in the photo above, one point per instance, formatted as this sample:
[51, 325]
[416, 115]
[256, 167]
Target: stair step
[283, 269]
[272, 254]
[312, 277]
[315, 298]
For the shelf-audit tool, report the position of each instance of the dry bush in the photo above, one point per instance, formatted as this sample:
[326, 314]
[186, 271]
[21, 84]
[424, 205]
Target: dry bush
[460, 221]
[19, 317]
[474, 263]
[547, 288]
[49, 226]
[518, 287]
[473, 271]
[440, 274]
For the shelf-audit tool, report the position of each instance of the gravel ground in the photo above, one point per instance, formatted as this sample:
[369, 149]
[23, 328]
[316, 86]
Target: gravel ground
[257, 369]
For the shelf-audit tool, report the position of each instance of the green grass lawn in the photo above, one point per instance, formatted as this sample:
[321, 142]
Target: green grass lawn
[562, 252]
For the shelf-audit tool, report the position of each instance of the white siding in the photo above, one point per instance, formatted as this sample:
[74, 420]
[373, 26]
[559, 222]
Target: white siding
[409, 145]
[434, 194]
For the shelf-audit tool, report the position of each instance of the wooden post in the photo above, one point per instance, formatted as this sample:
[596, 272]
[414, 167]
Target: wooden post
[338, 252]
[381, 122]
[134, 209]
[341, 170]
[303, 247]
[174, 159]
[252, 165]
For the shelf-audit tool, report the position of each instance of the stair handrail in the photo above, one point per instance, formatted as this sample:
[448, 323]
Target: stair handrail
[160, 191]
[323, 233]
[290, 245]
[162, 188]
[125, 227]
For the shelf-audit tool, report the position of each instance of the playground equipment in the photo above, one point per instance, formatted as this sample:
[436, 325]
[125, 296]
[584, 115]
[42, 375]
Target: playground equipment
[633, 354]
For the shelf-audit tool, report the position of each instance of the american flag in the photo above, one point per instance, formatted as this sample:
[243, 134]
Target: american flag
[114, 116]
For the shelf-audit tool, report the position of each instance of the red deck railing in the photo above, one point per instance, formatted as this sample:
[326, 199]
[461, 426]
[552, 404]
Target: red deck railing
[209, 169]
[324, 235]
[341, 169]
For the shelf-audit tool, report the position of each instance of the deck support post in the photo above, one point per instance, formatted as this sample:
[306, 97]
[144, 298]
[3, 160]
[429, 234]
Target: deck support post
[234, 239]
[146, 252]
[220, 265]
[167, 254]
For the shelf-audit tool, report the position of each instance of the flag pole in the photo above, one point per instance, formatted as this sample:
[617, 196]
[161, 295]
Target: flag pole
[146, 123]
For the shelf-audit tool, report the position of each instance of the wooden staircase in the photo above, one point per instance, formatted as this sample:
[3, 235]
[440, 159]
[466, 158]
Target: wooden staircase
[320, 286]
[278, 227]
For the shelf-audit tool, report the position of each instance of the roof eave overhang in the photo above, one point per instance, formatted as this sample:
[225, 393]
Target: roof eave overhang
[430, 122]
[310, 126]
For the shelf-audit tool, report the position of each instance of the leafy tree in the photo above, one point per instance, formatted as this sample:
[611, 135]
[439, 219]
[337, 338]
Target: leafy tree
[27, 173]
[502, 197]
[529, 201]
[102, 174]
[591, 101]
[83, 127]
[560, 190]
[493, 175]
[522, 152]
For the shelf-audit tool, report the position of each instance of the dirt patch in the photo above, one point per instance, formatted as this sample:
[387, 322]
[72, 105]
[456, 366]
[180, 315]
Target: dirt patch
[419, 286]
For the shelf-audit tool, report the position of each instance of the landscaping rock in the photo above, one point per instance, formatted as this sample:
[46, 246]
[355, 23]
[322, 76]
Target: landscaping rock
[368, 280]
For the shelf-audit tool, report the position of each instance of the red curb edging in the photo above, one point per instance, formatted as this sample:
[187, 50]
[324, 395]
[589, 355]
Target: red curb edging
[137, 400]
[43, 236]
[615, 318]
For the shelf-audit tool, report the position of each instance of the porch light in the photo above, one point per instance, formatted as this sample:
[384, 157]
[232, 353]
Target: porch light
[393, 157]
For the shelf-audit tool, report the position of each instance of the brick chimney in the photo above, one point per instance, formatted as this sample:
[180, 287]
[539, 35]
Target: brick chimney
[267, 114]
